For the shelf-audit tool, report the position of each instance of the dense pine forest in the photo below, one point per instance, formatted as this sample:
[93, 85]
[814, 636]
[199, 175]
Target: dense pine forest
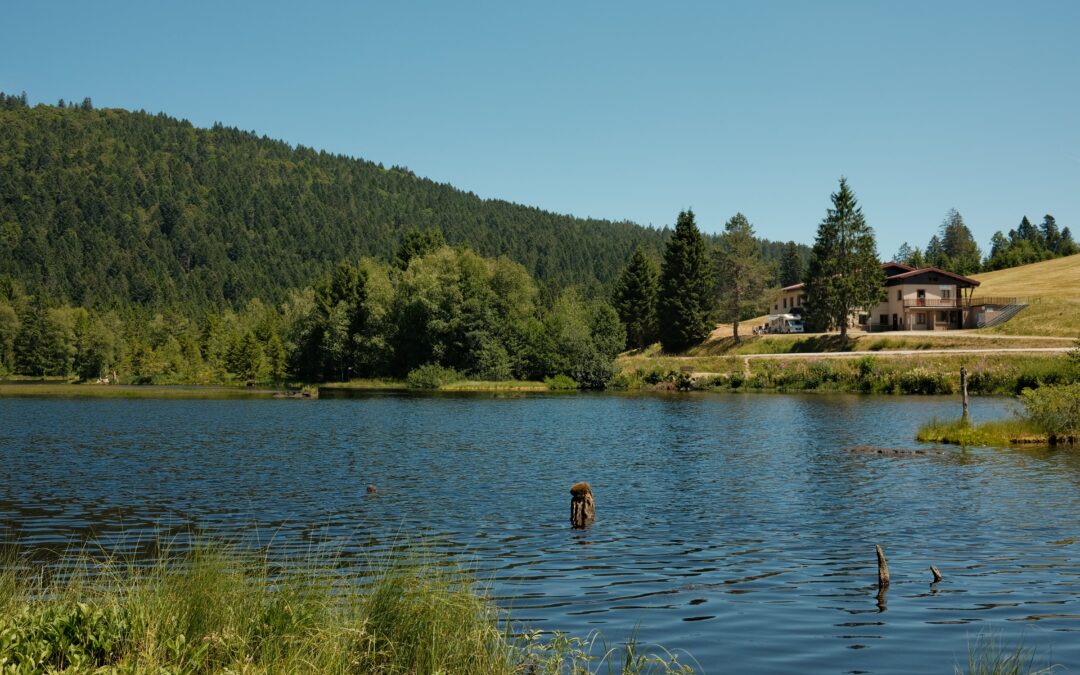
[110, 207]
[138, 246]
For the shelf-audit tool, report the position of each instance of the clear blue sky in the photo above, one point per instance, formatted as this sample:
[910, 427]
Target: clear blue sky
[622, 110]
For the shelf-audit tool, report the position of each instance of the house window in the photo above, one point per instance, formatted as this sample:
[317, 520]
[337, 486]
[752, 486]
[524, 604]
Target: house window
[920, 319]
[941, 317]
[884, 319]
[946, 294]
[899, 295]
[785, 303]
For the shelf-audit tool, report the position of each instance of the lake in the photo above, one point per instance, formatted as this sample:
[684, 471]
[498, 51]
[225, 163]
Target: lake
[734, 527]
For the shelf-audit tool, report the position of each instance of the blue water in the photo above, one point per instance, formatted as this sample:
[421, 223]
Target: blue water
[735, 528]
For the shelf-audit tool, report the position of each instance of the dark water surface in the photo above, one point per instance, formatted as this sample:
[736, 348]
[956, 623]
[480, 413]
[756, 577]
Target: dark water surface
[733, 527]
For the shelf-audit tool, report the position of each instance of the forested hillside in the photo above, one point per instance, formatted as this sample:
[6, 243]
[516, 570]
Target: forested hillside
[107, 207]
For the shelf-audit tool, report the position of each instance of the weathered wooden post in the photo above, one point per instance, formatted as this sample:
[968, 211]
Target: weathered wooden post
[882, 568]
[936, 573]
[582, 505]
[963, 391]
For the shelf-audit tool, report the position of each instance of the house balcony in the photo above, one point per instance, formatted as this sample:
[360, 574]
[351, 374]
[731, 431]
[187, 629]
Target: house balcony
[934, 303]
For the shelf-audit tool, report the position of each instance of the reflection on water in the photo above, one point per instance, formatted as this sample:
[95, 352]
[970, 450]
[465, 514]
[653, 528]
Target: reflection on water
[733, 527]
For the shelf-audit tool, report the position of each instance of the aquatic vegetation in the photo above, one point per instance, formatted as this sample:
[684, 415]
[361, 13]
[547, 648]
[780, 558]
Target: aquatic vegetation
[220, 610]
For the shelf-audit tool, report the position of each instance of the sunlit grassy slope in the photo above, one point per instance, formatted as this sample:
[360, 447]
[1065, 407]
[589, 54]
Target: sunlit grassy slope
[1054, 287]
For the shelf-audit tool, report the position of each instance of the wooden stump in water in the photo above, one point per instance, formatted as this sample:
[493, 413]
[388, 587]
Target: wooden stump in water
[882, 568]
[582, 505]
[963, 390]
[936, 573]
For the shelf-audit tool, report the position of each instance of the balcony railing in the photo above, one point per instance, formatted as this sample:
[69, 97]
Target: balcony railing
[934, 303]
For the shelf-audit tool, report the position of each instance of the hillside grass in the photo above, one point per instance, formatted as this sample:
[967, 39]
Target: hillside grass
[1054, 284]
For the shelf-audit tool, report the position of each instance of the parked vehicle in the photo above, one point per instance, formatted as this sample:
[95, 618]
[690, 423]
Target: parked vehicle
[785, 323]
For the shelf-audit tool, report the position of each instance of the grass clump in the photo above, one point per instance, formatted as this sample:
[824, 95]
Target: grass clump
[219, 610]
[987, 656]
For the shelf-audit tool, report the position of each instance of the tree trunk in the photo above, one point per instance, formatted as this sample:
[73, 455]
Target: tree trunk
[735, 331]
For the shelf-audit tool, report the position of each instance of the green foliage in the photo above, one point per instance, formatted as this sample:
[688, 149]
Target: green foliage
[845, 275]
[431, 376]
[105, 207]
[219, 610]
[1030, 244]
[560, 383]
[417, 243]
[635, 300]
[741, 275]
[956, 250]
[1055, 410]
[791, 265]
[685, 284]
[62, 636]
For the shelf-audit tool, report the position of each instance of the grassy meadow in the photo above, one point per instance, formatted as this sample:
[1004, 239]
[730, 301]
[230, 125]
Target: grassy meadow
[1054, 287]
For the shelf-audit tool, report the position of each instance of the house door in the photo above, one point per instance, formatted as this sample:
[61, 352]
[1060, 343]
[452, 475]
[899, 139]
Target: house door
[920, 298]
[895, 322]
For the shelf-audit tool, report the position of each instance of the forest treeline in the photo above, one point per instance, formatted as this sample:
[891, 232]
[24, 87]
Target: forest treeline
[954, 248]
[443, 309]
[105, 208]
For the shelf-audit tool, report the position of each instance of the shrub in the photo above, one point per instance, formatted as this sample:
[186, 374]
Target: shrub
[922, 381]
[431, 376]
[561, 383]
[1055, 410]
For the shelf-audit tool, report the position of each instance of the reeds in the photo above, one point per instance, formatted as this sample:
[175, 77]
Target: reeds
[216, 609]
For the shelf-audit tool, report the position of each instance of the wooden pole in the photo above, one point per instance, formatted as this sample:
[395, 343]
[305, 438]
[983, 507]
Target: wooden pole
[882, 568]
[936, 573]
[963, 391]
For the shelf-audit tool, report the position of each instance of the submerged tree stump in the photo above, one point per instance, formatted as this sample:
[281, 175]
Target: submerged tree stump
[582, 505]
[882, 568]
[936, 573]
[963, 390]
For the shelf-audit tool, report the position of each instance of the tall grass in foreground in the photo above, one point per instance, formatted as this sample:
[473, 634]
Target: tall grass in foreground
[987, 656]
[219, 610]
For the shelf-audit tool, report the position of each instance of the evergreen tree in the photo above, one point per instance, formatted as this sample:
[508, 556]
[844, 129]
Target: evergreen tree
[935, 253]
[960, 252]
[741, 274]
[634, 300]
[683, 303]
[1030, 233]
[1067, 245]
[845, 274]
[416, 243]
[917, 260]
[1051, 236]
[904, 254]
[791, 265]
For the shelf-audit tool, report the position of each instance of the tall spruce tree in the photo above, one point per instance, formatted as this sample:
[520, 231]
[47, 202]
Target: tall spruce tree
[741, 275]
[791, 265]
[685, 285]
[635, 299]
[845, 274]
[961, 253]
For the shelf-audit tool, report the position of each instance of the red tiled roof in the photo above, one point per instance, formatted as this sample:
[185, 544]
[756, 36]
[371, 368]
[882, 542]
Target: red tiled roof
[911, 272]
[923, 270]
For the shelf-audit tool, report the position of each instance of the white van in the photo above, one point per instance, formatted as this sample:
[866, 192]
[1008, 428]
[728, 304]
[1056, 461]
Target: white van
[785, 323]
